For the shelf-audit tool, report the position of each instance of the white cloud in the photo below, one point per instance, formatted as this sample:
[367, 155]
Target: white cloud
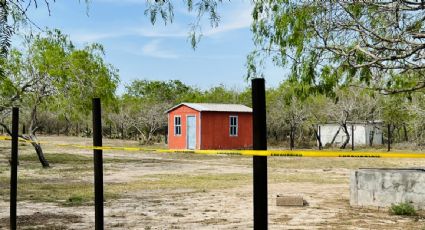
[233, 20]
[142, 30]
[86, 37]
[157, 32]
[153, 49]
[238, 17]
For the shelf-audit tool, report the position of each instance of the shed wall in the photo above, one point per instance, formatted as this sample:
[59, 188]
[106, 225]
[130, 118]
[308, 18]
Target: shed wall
[361, 134]
[215, 131]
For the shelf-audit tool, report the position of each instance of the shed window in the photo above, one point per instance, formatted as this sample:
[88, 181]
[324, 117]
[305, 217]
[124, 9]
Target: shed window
[177, 125]
[233, 125]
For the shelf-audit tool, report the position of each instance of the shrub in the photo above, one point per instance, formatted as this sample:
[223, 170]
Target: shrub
[403, 209]
[74, 201]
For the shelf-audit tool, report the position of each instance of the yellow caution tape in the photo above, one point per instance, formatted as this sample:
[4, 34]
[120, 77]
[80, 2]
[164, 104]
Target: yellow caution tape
[285, 153]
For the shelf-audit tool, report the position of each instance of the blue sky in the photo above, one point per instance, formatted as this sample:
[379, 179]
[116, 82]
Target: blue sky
[141, 50]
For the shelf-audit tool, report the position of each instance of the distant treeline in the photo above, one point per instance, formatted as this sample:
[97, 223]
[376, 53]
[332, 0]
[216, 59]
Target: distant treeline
[292, 117]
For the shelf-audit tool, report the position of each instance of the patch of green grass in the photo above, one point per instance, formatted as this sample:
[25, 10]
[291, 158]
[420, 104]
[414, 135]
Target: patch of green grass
[320, 163]
[56, 191]
[206, 182]
[316, 178]
[70, 159]
[184, 181]
[58, 158]
[75, 201]
[403, 209]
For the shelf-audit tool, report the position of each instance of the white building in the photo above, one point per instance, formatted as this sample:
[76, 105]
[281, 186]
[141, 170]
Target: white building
[364, 133]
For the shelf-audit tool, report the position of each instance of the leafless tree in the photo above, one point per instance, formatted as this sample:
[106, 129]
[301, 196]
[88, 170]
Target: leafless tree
[353, 105]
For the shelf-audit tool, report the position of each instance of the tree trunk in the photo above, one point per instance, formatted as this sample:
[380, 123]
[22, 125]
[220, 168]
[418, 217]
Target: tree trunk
[347, 139]
[316, 133]
[292, 138]
[35, 143]
[371, 137]
[67, 126]
[336, 134]
[405, 133]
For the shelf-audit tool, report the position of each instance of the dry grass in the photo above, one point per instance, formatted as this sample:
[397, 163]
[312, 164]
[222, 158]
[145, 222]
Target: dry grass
[68, 184]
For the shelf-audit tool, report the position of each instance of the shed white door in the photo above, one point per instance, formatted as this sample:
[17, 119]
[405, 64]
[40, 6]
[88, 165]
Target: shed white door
[191, 132]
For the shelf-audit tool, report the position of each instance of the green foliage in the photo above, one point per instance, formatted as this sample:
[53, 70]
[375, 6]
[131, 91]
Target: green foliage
[203, 8]
[75, 201]
[327, 44]
[53, 74]
[159, 91]
[222, 94]
[403, 209]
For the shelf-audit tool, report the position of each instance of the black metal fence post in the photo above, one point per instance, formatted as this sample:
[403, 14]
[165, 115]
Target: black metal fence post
[14, 168]
[98, 164]
[259, 162]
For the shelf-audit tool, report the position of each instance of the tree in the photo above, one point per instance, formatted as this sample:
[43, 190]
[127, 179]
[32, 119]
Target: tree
[165, 10]
[317, 114]
[328, 43]
[353, 105]
[399, 111]
[286, 111]
[13, 14]
[146, 117]
[414, 115]
[172, 91]
[222, 94]
[144, 104]
[51, 74]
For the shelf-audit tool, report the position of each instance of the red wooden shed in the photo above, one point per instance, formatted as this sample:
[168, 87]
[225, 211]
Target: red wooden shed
[209, 126]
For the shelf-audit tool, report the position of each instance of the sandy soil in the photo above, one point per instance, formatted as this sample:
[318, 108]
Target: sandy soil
[228, 208]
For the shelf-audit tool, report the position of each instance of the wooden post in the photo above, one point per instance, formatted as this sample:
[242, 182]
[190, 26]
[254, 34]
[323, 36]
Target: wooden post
[259, 162]
[14, 168]
[98, 164]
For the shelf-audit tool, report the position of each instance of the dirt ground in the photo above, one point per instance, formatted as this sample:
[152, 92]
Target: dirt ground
[186, 191]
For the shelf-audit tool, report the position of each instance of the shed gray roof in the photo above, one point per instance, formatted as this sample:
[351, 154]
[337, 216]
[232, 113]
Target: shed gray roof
[215, 107]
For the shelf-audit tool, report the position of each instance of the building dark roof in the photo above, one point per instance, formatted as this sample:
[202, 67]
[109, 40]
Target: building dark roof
[215, 107]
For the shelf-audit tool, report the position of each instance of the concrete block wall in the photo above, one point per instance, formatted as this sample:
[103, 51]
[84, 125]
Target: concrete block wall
[383, 187]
